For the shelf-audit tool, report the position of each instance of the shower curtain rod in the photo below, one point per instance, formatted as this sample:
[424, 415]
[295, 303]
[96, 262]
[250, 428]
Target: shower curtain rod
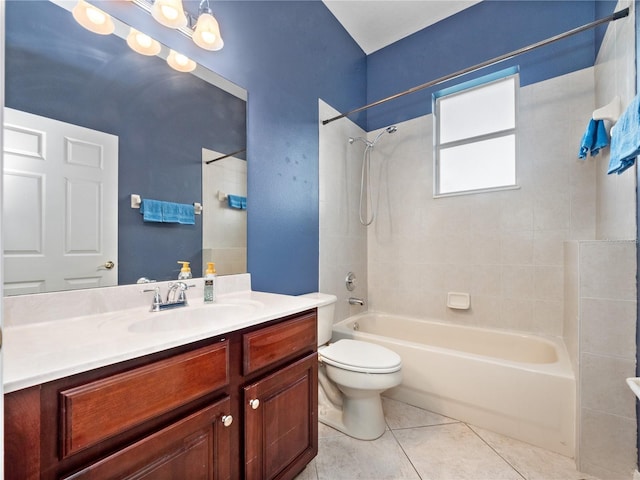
[225, 156]
[615, 16]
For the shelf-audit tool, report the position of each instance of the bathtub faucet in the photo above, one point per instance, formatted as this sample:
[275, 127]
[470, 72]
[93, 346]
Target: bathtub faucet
[356, 301]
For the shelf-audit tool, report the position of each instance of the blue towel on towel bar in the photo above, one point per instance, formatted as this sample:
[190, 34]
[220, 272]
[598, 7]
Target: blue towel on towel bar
[236, 201]
[178, 213]
[595, 137]
[625, 140]
[151, 210]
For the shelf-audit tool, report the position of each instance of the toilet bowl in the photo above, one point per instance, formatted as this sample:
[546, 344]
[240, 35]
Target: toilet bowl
[351, 375]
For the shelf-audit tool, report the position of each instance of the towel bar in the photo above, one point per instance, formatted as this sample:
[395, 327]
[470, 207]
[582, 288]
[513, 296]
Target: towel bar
[137, 199]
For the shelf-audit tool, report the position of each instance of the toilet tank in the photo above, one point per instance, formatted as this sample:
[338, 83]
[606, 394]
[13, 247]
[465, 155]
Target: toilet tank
[326, 306]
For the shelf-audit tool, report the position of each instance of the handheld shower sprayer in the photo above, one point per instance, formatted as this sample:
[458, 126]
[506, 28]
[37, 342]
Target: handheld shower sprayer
[366, 172]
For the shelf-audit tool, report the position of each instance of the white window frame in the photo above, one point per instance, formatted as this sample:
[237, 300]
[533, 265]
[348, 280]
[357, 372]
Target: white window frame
[504, 75]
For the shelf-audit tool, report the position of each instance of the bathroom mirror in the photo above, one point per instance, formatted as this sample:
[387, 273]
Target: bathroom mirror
[166, 123]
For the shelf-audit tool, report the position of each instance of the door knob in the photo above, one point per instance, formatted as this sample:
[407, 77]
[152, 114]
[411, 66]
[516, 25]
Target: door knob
[227, 420]
[108, 265]
[254, 403]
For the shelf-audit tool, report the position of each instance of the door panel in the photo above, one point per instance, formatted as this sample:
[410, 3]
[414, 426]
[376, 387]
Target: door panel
[59, 205]
[194, 448]
[281, 428]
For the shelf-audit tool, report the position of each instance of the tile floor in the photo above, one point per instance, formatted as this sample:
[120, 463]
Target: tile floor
[421, 445]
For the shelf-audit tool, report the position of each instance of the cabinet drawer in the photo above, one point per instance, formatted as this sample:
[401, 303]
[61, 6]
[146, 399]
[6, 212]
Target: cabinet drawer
[98, 410]
[278, 342]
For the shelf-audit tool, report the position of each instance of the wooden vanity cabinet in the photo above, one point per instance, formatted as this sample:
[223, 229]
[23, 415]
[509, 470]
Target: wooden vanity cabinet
[281, 428]
[178, 414]
[280, 407]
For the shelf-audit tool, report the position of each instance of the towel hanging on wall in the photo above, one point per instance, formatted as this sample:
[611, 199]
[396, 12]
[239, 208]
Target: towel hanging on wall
[167, 212]
[595, 137]
[237, 201]
[178, 213]
[151, 210]
[625, 139]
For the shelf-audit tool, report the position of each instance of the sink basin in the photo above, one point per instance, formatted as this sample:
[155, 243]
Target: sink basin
[634, 385]
[190, 318]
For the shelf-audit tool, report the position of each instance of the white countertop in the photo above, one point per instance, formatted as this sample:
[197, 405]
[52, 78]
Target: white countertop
[35, 353]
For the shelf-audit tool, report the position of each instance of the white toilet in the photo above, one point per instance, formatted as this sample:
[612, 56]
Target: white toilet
[352, 374]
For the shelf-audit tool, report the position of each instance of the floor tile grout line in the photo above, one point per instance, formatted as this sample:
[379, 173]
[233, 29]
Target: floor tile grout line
[470, 427]
[403, 451]
[452, 422]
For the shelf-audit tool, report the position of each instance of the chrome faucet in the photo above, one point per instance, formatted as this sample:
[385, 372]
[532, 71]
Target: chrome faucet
[356, 301]
[171, 292]
[171, 302]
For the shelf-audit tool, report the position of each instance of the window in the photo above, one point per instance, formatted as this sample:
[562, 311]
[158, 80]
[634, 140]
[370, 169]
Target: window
[475, 135]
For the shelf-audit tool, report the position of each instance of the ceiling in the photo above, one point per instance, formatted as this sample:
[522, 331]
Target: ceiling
[374, 24]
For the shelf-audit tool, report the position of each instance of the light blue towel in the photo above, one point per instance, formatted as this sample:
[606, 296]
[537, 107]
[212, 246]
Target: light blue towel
[186, 214]
[178, 213]
[236, 201]
[625, 142]
[151, 210]
[595, 137]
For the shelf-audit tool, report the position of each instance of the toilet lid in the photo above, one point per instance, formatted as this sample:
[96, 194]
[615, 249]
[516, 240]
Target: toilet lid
[361, 356]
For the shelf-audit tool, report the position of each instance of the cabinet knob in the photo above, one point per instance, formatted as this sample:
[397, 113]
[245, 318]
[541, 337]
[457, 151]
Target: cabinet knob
[254, 403]
[227, 420]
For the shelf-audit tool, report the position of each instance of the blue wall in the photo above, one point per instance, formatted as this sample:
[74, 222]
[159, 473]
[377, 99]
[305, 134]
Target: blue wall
[289, 53]
[286, 54]
[482, 32]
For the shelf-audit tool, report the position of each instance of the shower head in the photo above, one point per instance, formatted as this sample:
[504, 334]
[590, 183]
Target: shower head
[389, 129]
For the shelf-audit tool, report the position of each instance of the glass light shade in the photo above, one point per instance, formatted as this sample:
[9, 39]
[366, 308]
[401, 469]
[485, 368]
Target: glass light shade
[143, 44]
[179, 62]
[92, 18]
[207, 33]
[169, 13]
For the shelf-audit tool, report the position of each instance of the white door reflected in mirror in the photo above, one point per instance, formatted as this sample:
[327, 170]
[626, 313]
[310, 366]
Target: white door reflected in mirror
[58, 178]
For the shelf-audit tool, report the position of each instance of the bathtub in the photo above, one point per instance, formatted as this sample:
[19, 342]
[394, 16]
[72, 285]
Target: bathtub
[521, 386]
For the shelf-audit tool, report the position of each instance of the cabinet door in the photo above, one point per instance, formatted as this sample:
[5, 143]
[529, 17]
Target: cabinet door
[281, 428]
[196, 447]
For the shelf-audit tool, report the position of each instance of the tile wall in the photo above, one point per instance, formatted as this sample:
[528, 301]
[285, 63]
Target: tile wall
[601, 307]
[224, 229]
[615, 75]
[343, 240]
[601, 313]
[504, 248]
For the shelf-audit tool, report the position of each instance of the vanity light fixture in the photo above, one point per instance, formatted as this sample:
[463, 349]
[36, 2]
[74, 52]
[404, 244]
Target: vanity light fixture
[92, 18]
[203, 29]
[142, 43]
[169, 13]
[179, 62]
[207, 32]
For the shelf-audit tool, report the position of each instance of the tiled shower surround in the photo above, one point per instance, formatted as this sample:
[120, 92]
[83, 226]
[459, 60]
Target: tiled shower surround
[507, 249]
[504, 248]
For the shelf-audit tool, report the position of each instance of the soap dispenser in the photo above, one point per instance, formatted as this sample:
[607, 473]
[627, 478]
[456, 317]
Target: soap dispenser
[210, 283]
[185, 271]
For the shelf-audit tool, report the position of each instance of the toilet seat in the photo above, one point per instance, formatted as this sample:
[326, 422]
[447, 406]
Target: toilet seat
[358, 356]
